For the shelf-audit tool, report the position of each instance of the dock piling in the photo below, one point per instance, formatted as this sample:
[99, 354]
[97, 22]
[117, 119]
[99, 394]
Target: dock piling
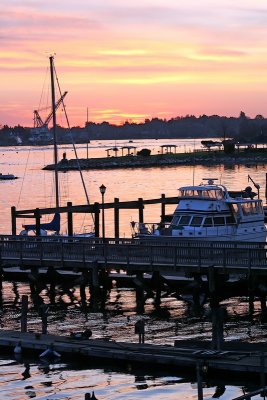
[199, 380]
[24, 313]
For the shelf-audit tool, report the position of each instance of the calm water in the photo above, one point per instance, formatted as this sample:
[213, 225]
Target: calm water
[35, 187]
[178, 319]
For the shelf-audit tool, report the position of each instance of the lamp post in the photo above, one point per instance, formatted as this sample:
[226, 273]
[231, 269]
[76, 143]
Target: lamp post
[103, 191]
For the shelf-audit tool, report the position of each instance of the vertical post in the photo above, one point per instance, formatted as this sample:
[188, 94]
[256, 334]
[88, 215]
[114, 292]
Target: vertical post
[82, 288]
[266, 188]
[140, 298]
[163, 208]
[262, 364]
[141, 210]
[13, 221]
[199, 381]
[38, 220]
[96, 208]
[116, 217]
[156, 282]
[70, 219]
[250, 291]
[103, 217]
[24, 312]
[43, 312]
[103, 191]
[216, 312]
[94, 287]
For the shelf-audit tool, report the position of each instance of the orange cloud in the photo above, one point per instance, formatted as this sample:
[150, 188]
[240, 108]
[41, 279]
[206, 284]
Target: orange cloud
[134, 61]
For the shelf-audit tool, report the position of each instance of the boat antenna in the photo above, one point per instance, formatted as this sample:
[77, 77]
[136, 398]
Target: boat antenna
[52, 69]
[74, 147]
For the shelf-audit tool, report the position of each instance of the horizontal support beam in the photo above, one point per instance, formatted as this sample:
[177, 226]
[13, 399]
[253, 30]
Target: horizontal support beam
[135, 204]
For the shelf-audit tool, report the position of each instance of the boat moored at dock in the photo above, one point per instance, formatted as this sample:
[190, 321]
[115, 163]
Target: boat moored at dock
[210, 212]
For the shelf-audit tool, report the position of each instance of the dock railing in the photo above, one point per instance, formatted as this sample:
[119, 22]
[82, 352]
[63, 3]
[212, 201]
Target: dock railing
[171, 255]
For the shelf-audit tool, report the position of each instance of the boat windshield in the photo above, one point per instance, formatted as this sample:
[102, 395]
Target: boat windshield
[251, 208]
[203, 193]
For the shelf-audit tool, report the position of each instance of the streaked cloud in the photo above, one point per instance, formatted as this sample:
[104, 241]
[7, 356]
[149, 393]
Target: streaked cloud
[143, 58]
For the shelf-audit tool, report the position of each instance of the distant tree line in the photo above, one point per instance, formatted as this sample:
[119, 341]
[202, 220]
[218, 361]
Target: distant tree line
[241, 129]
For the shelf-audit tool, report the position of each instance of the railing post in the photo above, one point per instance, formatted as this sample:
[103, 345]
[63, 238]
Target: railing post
[70, 219]
[96, 209]
[141, 210]
[128, 255]
[41, 252]
[13, 221]
[62, 250]
[37, 221]
[163, 208]
[116, 217]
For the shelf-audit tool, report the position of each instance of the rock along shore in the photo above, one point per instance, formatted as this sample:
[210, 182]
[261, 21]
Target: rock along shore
[161, 160]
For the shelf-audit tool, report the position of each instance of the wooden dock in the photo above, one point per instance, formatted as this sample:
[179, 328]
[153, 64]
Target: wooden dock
[249, 359]
[168, 257]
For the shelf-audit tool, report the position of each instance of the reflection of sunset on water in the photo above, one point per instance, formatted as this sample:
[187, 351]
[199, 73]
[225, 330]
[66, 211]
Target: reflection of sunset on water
[35, 187]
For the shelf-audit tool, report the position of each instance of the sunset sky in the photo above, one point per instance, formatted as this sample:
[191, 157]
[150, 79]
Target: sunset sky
[132, 60]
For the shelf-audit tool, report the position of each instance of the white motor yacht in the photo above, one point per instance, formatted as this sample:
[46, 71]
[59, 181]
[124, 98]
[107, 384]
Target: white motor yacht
[210, 212]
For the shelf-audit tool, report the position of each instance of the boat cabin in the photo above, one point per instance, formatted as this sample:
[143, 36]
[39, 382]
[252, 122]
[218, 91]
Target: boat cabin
[202, 193]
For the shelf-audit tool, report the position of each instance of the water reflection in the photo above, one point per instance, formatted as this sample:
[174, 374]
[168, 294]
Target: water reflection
[73, 381]
[175, 316]
[174, 319]
[123, 184]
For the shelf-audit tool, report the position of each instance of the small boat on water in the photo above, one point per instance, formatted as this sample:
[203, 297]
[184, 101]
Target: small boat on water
[5, 177]
[209, 212]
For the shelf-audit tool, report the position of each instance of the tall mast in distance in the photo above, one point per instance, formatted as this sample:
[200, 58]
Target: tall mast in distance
[51, 58]
[87, 154]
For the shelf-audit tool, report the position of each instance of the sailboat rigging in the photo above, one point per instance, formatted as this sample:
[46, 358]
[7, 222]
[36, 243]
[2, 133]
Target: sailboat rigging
[52, 68]
[54, 225]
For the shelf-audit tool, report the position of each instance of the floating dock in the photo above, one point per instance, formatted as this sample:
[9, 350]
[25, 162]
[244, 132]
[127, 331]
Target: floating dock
[233, 357]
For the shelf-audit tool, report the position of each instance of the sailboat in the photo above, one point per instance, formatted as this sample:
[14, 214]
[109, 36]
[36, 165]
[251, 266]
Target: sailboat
[54, 226]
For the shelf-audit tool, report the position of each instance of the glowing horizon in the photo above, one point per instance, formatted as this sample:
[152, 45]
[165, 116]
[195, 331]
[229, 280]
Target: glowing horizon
[134, 61]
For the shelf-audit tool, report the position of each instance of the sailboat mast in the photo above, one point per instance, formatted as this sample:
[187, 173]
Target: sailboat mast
[51, 58]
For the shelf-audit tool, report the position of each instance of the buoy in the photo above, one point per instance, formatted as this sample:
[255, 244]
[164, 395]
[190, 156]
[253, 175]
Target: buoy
[18, 349]
[50, 353]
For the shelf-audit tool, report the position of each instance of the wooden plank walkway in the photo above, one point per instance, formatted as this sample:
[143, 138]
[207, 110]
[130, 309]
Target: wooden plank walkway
[131, 255]
[239, 361]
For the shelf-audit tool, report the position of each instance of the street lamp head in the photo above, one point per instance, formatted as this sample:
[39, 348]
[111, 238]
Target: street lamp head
[102, 189]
